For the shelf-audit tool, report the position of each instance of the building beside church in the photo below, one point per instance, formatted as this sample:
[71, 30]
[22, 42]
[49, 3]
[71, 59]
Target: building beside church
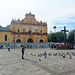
[24, 31]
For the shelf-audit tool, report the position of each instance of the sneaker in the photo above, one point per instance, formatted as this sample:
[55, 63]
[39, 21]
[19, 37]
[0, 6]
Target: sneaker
[22, 58]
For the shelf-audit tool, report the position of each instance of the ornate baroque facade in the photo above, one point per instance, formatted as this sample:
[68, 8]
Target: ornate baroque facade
[24, 31]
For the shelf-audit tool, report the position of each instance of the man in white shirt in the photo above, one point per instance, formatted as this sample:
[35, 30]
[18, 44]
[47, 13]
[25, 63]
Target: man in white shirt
[8, 48]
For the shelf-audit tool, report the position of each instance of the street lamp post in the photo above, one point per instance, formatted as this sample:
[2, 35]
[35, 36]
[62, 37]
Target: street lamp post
[8, 41]
[55, 28]
[14, 41]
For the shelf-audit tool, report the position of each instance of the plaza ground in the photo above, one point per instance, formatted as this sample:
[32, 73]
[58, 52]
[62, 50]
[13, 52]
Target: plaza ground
[11, 62]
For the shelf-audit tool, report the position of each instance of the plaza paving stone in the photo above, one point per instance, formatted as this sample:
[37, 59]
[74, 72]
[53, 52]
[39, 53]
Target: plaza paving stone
[12, 64]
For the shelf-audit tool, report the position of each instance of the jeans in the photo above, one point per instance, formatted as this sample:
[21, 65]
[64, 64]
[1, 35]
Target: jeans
[8, 49]
[22, 54]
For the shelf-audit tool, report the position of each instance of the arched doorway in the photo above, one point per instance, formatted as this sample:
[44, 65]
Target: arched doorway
[18, 41]
[30, 40]
[41, 40]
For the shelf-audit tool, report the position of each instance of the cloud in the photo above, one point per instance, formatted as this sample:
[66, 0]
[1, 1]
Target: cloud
[60, 25]
[55, 12]
[61, 22]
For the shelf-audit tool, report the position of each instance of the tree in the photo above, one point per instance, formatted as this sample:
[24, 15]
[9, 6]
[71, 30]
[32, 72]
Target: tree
[53, 37]
[71, 37]
[56, 37]
[48, 37]
[60, 36]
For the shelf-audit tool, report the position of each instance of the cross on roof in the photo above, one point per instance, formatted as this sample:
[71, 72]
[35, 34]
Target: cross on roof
[64, 34]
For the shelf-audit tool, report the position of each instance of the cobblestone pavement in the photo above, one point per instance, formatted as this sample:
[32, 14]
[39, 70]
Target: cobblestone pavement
[58, 62]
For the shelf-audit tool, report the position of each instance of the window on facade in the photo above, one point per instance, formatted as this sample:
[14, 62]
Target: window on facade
[29, 32]
[41, 31]
[5, 37]
[18, 30]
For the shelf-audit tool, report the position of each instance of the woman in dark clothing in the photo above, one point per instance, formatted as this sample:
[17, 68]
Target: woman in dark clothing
[22, 50]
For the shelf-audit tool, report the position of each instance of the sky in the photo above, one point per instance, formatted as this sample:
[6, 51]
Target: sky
[57, 13]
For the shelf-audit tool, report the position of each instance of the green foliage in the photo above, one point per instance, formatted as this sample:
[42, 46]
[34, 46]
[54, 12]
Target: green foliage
[49, 38]
[60, 36]
[71, 37]
[56, 37]
[53, 37]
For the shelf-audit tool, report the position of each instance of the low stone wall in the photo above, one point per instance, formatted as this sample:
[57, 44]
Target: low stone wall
[65, 47]
[28, 45]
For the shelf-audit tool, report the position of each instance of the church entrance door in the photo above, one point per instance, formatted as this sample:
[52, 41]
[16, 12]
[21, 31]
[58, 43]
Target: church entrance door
[18, 41]
[41, 40]
[30, 40]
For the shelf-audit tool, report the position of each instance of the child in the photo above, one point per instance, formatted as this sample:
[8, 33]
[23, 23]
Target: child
[45, 54]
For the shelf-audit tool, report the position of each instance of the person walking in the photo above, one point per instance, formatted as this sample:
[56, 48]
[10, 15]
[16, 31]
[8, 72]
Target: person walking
[25, 46]
[60, 46]
[52, 46]
[22, 50]
[8, 48]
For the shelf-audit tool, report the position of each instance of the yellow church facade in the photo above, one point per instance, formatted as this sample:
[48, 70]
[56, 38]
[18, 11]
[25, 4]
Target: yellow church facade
[26, 30]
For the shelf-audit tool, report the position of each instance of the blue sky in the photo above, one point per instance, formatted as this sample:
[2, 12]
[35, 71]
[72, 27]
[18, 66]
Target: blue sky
[57, 13]
[69, 23]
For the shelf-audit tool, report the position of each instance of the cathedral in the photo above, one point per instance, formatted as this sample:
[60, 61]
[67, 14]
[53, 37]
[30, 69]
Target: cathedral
[27, 30]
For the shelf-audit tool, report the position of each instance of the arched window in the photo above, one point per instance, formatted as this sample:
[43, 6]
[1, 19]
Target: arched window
[18, 30]
[5, 37]
[18, 41]
[41, 31]
[30, 40]
[41, 40]
[29, 32]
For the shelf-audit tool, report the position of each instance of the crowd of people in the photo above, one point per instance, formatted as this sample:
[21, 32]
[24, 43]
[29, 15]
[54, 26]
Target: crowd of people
[23, 48]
